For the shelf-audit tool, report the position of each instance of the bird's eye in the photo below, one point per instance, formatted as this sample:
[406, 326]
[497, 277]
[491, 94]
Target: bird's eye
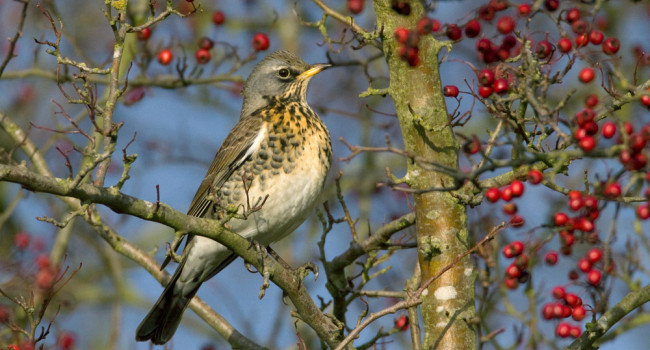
[284, 73]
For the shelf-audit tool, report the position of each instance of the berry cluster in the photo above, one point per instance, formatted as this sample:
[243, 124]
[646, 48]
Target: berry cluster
[409, 39]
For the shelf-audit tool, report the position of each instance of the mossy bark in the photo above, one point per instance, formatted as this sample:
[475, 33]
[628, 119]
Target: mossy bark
[441, 221]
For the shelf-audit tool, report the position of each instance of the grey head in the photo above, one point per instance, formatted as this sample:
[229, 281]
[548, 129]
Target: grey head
[280, 74]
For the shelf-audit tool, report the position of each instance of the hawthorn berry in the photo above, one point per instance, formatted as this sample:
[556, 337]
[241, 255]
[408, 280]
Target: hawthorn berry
[511, 283]
[472, 28]
[551, 5]
[591, 100]
[450, 90]
[453, 32]
[582, 40]
[612, 190]
[486, 77]
[486, 12]
[524, 10]
[506, 194]
[206, 43]
[544, 49]
[580, 27]
[144, 34]
[561, 219]
[611, 46]
[559, 292]
[485, 91]
[594, 255]
[572, 15]
[596, 37]
[584, 265]
[66, 341]
[498, 5]
[484, 45]
[218, 18]
[534, 176]
[401, 34]
[585, 115]
[493, 194]
[42, 261]
[609, 130]
[402, 323]
[517, 188]
[500, 86]
[564, 45]
[579, 313]
[505, 25]
[260, 42]
[573, 300]
[165, 57]
[202, 56]
[517, 220]
[594, 277]
[45, 278]
[21, 240]
[401, 7]
[355, 6]
[587, 143]
[424, 25]
[586, 75]
[551, 258]
[513, 271]
[563, 329]
[575, 332]
[645, 100]
[643, 211]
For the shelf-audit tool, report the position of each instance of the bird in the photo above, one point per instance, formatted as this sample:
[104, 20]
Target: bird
[276, 157]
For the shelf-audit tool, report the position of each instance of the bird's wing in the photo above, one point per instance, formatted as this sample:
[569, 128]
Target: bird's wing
[244, 139]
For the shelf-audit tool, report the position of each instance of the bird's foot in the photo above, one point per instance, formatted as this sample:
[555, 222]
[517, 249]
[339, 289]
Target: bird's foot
[304, 270]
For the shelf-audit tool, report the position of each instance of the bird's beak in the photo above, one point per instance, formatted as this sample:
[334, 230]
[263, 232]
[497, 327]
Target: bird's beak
[313, 70]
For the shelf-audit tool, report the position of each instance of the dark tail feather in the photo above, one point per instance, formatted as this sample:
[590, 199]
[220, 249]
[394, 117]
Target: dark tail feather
[161, 322]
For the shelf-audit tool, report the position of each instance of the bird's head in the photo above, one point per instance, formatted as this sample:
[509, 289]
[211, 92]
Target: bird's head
[280, 74]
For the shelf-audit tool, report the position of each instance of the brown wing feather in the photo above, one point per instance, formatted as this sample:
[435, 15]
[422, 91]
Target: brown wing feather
[226, 162]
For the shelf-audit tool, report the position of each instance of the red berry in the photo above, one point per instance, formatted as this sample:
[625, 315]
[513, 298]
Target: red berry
[587, 143]
[564, 45]
[573, 300]
[551, 258]
[206, 43]
[596, 37]
[591, 101]
[517, 248]
[563, 329]
[609, 130]
[260, 42]
[202, 56]
[453, 32]
[534, 176]
[586, 75]
[66, 341]
[511, 283]
[21, 240]
[500, 86]
[585, 115]
[561, 219]
[42, 261]
[572, 15]
[401, 34]
[493, 194]
[472, 28]
[594, 277]
[218, 18]
[450, 90]
[355, 6]
[505, 25]
[517, 188]
[424, 26]
[517, 221]
[580, 27]
[544, 49]
[401, 7]
[513, 271]
[4, 314]
[45, 278]
[612, 190]
[575, 331]
[551, 5]
[486, 13]
[579, 313]
[611, 46]
[584, 265]
[498, 5]
[645, 100]
[559, 292]
[484, 45]
[524, 10]
[643, 211]
[594, 255]
[165, 57]
[506, 193]
[402, 323]
[144, 34]
[582, 40]
[547, 311]
[486, 77]
[485, 91]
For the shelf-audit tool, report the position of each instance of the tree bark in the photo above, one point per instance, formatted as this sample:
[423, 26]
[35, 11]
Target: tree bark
[448, 307]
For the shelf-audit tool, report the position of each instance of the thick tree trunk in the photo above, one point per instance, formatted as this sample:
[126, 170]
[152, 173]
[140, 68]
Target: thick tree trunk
[441, 222]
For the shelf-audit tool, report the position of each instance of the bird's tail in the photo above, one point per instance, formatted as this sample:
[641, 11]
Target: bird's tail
[161, 322]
